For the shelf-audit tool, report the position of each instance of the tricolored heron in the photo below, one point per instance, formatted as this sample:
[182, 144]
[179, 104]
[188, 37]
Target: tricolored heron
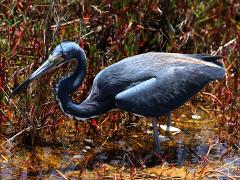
[151, 84]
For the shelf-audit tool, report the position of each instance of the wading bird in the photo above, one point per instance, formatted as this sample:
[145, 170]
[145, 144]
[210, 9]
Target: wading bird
[151, 84]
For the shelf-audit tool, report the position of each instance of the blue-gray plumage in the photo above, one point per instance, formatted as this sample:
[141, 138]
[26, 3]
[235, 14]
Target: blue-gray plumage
[150, 84]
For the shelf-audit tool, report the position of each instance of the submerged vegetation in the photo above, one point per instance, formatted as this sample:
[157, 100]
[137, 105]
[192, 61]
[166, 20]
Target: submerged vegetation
[33, 129]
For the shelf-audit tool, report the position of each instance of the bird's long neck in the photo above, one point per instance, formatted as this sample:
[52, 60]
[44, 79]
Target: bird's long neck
[69, 85]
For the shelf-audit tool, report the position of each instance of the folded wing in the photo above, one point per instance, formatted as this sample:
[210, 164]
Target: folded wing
[168, 90]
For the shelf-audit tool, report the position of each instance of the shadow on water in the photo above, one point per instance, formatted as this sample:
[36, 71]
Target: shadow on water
[196, 144]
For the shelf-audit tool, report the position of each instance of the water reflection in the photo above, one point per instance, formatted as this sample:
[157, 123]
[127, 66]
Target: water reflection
[181, 152]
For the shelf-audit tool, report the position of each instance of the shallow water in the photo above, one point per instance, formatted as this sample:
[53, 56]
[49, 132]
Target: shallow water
[128, 153]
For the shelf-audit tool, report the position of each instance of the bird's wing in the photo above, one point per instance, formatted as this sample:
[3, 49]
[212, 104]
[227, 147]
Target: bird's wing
[171, 88]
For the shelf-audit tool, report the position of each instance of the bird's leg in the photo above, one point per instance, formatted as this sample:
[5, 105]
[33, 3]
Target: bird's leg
[157, 148]
[169, 122]
[168, 127]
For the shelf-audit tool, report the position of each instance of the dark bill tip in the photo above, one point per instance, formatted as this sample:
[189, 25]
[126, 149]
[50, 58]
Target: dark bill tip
[43, 69]
[21, 87]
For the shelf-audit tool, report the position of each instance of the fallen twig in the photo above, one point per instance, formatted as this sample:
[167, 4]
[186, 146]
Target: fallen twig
[220, 172]
[10, 139]
[61, 174]
[227, 164]
[162, 169]
[206, 156]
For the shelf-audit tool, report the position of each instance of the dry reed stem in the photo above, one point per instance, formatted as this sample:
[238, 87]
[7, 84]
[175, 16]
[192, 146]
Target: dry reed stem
[225, 45]
[65, 24]
[213, 96]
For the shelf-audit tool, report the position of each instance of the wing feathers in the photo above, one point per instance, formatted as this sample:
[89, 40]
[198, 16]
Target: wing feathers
[171, 88]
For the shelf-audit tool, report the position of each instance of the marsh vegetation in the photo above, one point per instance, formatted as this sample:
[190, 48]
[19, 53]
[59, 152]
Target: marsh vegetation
[38, 141]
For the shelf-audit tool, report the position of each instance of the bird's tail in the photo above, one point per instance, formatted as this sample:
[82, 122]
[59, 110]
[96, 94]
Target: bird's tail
[209, 58]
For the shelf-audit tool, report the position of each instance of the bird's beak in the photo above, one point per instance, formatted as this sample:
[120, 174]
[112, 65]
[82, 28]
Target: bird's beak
[47, 66]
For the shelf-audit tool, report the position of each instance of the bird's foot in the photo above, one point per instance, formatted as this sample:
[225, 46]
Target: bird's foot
[157, 148]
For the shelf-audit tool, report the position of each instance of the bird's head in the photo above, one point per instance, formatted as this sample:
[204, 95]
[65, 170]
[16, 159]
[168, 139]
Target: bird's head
[64, 52]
